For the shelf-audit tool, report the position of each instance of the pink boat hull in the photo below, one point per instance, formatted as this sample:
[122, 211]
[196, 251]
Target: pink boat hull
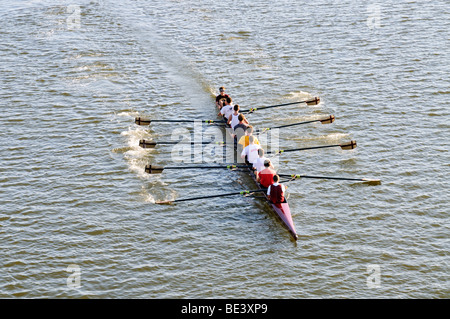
[284, 213]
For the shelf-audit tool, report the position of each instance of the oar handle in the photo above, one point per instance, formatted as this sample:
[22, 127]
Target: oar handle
[144, 121]
[243, 193]
[152, 144]
[283, 126]
[348, 146]
[297, 176]
[313, 101]
[181, 142]
[301, 149]
[153, 169]
[188, 121]
[327, 120]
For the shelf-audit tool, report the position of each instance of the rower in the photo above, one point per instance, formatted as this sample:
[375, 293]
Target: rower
[227, 109]
[275, 192]
[265, 177]
[244, 140]
[250, 153]
[233, 119]
[239, 129]
[222, 96]
[259, 163]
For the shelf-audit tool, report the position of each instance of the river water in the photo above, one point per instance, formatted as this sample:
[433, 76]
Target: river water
[78, 216]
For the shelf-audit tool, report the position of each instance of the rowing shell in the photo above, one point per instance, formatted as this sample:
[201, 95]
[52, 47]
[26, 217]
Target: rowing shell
[281, 210]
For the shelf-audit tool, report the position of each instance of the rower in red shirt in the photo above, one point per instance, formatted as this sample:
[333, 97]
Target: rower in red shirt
[265, 177]
[275, 191]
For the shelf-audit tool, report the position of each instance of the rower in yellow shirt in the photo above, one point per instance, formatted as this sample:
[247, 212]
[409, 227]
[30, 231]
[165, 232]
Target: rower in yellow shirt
[244, 140]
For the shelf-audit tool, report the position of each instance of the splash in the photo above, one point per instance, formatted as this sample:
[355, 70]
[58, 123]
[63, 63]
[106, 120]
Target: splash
[131, 114]
[298, 95]
[135, 156]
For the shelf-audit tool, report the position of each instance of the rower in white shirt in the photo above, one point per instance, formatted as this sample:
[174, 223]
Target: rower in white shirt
[259, 163]
[250, 153]
[227, 109]
[234, 120]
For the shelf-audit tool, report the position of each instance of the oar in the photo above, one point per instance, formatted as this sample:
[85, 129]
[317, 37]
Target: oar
[367, 180]
[152, 169]
[348, 146]
[152, 144]
[244, 193]
[313, 101]
[327, 120]
[144, 121]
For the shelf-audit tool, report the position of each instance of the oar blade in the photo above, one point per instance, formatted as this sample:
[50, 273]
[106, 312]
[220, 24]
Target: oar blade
[328, 120]
[348, 146]
[164, 202]
[151, 169]
[314, 101]
[142, 121]
[147, 144]
[370, 181]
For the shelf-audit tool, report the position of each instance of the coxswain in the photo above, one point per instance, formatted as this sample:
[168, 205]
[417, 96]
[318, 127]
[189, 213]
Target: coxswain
[222, 96]
[227, 109]
[276, 191]
[250, 153]
[265, 177]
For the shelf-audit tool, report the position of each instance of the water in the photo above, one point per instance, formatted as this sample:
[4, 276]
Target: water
[74, 191]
